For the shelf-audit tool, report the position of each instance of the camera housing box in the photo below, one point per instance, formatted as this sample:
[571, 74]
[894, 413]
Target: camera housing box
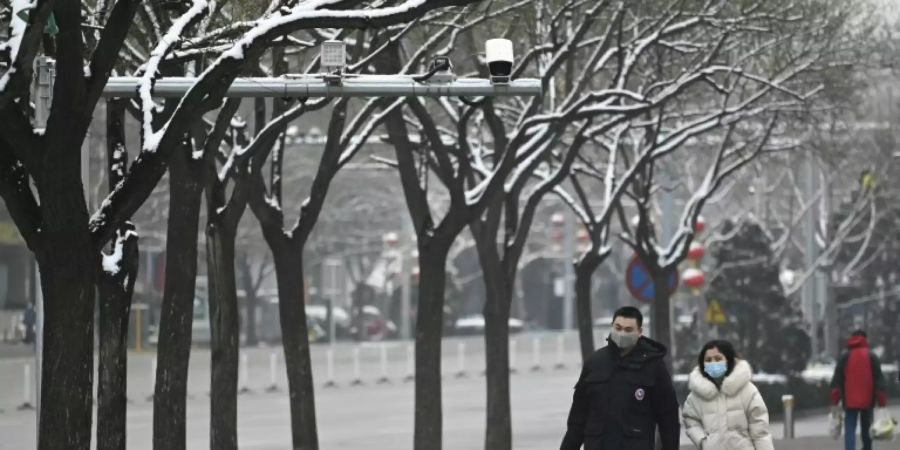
[444, 75]
[499, 56]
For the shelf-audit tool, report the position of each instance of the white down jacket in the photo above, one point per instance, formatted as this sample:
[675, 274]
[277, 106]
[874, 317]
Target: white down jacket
[733, 417]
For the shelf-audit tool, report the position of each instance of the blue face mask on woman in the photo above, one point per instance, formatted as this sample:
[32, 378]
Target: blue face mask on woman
[716, 369]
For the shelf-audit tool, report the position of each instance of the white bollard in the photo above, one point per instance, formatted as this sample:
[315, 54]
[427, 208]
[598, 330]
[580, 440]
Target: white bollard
[244, 375]
[329, 367]
[512, 356]
[560, 349]
[410, 363]
[384, 364]
[26, 403]
[460, 359]
[536, 354]
[357, 377]
[273, 372]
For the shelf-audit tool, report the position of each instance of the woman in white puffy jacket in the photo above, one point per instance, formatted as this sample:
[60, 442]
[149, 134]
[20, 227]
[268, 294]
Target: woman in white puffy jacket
[724, 410]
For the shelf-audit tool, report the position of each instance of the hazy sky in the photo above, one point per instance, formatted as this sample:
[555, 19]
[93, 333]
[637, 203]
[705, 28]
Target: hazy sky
[889, 7]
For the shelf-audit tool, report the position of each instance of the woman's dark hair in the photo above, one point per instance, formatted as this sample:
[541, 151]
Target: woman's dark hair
[723, 347]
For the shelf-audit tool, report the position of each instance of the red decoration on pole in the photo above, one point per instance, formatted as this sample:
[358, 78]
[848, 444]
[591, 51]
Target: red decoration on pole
[558, 219]
[696, 252]
[583, 234]
[391, 239]
[700, 225]
[694, 279]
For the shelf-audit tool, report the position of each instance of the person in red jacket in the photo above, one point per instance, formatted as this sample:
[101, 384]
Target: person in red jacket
[858, 383]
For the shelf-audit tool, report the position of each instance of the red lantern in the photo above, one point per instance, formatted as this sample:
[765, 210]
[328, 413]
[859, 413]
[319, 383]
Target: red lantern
[558, 219]
[696, 252]
[694, 279]
[583, 235]
[700, 225]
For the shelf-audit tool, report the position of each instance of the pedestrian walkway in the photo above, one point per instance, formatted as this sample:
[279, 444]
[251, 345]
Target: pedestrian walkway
[15, 350]
[821, 443]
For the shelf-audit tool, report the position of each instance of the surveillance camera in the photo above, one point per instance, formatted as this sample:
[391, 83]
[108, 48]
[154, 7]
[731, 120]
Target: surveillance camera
[499, 55]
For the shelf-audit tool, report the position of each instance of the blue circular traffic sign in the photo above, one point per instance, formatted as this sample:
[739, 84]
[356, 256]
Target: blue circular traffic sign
[640, 283]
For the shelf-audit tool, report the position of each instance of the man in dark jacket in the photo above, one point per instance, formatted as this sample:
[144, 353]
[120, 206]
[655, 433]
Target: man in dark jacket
[624, 393]
[859, 383]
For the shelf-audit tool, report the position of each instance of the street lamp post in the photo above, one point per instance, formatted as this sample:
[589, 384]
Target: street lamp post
[566, 220]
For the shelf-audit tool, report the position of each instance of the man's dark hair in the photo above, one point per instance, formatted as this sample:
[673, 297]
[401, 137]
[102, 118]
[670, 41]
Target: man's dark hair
[859, 333]
[630, 312]
[725, 348]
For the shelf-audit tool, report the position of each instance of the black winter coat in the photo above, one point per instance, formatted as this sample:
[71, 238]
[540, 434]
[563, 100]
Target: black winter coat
[619, 401]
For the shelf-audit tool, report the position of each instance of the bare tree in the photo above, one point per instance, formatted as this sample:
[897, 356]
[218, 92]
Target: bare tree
[52, 216]
[57, 227]
[743, 41]
[116, 279]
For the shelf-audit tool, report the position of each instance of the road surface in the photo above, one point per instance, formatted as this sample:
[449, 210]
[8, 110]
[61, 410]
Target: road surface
[372, 416]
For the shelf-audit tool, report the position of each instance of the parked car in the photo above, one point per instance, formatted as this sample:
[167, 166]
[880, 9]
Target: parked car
[376, 327]
[474, 325]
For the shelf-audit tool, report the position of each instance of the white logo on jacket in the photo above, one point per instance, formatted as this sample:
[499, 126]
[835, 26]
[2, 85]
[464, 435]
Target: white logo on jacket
[639, 394]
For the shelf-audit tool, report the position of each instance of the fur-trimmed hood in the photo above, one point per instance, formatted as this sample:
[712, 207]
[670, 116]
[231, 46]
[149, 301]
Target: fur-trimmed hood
[731, 385]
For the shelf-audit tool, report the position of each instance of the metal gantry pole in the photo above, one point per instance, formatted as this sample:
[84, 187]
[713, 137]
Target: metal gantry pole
[316, 86]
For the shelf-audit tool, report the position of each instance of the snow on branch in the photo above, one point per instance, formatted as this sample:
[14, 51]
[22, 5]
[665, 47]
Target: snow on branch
[151, 72]
[21, 35]
[837, 242]
[352, 145]
[717, 173]
[112, 263]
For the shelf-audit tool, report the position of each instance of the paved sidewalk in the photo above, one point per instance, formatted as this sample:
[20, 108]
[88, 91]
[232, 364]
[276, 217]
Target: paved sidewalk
[15, 350]
[822, 443]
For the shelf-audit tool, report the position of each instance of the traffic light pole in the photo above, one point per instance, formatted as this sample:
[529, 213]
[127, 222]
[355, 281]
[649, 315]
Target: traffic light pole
[811, 255]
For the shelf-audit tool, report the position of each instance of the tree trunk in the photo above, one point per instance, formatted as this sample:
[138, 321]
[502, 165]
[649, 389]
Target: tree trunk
[429, 329]
[67, 260]
[584, 275]
[177, 313]
[224, 331]
[498, 434]
[251, 300]
[252, 304]
[661, 316]
[116, 292]
[295, 339]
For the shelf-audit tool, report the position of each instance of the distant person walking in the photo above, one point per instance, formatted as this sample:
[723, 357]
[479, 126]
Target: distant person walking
[724, 410]
[29, 317]
[624, 393]
[859, 383]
